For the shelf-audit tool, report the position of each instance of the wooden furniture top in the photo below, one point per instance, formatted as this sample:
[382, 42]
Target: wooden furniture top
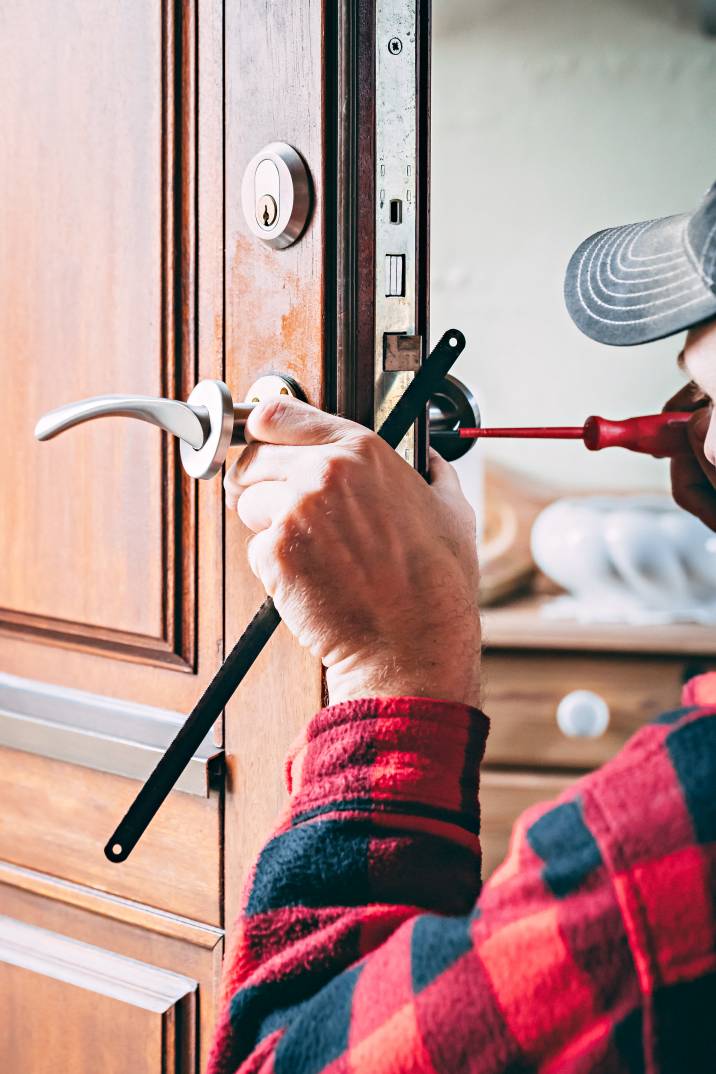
[520, 624]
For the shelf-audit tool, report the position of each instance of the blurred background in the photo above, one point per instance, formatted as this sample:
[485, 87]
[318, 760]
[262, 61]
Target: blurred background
[553, 119]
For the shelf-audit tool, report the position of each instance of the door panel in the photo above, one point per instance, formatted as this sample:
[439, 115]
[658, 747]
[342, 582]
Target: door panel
[102, 996]
[126, 265]
[111, 560]
[100, 294]
[87, 195]
[56, 817]
[85, 204]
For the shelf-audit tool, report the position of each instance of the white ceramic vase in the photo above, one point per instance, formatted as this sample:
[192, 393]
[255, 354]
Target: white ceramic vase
[623, 557]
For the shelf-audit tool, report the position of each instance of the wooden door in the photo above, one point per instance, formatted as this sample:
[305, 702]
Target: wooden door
[111, 568]
[126, 266]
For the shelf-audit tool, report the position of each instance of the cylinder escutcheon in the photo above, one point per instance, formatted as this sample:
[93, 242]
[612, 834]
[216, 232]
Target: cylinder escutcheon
[276, 195]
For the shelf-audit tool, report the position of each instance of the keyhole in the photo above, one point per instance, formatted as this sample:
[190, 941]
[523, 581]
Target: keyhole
[266, 211]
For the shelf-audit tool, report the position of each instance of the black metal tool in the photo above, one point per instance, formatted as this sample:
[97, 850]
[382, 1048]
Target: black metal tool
[241, 658]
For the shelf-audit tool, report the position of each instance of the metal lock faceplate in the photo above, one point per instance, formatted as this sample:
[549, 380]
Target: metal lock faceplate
[276, 195]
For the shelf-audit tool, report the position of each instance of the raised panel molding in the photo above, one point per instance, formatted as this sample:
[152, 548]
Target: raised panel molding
[56, 817]
[175, 646]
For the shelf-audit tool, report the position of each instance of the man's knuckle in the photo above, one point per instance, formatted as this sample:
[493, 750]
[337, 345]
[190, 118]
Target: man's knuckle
[283, 539]
[366, 444]
[248, 457]
[333, 469]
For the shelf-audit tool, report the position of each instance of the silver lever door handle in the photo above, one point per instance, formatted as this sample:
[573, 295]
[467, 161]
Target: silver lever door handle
[188, 423]
[207, 424]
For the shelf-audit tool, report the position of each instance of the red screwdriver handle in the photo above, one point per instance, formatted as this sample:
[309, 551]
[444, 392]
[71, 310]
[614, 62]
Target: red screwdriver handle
[660, 435]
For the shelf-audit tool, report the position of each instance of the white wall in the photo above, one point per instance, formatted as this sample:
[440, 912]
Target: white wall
[552, 119]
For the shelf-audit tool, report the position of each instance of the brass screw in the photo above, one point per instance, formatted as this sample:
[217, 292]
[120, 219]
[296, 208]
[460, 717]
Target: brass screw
[266, 210]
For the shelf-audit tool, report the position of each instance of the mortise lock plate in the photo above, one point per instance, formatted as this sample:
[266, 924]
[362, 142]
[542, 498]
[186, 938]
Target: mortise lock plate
[276, 195]
[207, 425]
[396, 346]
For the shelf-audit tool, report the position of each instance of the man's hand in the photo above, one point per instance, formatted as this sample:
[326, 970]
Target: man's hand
[371, 568]
[693, 475]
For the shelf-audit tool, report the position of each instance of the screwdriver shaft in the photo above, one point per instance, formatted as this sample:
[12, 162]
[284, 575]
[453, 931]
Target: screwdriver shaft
[557, 432]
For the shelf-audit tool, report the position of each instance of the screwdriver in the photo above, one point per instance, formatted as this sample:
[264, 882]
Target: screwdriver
[659, 435]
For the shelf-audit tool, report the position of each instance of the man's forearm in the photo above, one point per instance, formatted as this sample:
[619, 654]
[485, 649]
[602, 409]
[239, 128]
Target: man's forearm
[364, 944]
[382, 825]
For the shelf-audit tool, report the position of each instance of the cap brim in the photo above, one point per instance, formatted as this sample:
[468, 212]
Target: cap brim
[633, 284]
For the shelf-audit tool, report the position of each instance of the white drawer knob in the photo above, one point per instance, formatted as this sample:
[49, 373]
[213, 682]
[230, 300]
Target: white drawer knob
[583, 714]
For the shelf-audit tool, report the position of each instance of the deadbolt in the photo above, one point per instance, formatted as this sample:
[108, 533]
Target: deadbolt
[275, 195]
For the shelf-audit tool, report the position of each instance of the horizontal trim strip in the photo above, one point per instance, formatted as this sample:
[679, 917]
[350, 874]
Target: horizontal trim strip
[103, 733]
[101, 971]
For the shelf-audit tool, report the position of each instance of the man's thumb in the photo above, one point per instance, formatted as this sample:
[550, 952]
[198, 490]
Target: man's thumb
[442, 475]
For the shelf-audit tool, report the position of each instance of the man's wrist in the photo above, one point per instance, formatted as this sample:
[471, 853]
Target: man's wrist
[430, 678]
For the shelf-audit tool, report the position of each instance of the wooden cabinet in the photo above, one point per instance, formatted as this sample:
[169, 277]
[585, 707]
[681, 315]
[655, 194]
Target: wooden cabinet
[503, 796]
[530, 664]
[524, 689]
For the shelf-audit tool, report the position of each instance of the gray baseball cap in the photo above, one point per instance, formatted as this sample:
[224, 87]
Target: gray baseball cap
[641, 282]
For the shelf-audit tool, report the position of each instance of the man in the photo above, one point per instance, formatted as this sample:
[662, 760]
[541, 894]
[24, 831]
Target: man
[367, 943]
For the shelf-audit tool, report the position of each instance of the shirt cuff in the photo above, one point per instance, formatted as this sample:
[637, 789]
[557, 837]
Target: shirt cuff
[411, 762]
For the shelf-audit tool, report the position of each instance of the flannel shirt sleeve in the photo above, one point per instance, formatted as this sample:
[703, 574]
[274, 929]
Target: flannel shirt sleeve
[367, 947]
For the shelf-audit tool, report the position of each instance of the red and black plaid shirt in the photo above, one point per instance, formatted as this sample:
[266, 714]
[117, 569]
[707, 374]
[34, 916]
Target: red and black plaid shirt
[367, 945]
